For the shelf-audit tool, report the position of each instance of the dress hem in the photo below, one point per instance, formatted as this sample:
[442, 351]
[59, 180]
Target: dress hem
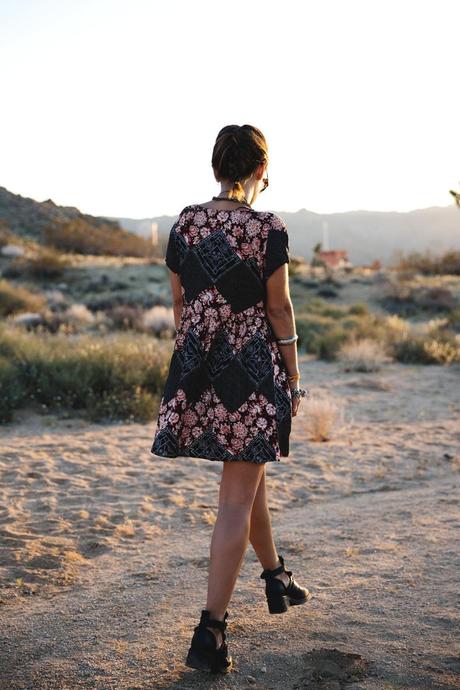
[234, 459]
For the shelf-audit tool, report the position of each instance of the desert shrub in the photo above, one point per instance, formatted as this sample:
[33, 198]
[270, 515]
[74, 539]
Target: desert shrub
[453, 320]
[81, 237]
[435, 299]
[323, 417]
[45, 264]
[429, 264]
[359, 309]
[395, 328]
[125, 317]
[328, 292]
[443, 351]
[135, 404]
[294, 266]
[425, 349]
[409, 300]
[399, 298]
[6, 236]
[114, 377]
[324, 328]
[326, 346]
[12, 390]
[362, 355]
[15, 299]
[159, 319]
[309, 328]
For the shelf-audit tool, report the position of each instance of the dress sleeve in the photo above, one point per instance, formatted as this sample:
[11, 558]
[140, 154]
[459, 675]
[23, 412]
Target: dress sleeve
[173, 256]
[277, 246]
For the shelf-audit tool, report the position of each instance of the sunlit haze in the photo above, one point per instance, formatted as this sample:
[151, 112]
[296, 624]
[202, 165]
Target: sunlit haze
[114, 107]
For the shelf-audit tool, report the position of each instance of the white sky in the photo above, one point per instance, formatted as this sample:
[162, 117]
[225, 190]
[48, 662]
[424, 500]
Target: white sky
[114, 106]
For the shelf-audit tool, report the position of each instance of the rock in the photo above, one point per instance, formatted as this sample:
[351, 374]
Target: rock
[251, 679]
[12, 250]
[28, 319]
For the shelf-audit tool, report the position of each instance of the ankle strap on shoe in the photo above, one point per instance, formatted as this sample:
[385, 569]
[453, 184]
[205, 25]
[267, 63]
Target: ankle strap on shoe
[276, 571]
[206, 620]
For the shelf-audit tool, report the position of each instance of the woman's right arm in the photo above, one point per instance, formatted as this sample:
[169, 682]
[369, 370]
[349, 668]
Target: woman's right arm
[280, 313]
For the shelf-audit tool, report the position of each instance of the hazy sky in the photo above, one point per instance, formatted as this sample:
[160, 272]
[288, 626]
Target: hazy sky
[114, 107]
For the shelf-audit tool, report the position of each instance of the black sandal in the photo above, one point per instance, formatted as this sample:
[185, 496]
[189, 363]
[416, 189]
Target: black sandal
[281, 596]
[204, 653]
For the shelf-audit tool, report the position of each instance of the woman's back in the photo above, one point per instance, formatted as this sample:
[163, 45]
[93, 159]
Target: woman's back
[227, 395]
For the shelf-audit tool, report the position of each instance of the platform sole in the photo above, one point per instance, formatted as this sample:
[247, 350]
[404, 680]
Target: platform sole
[202, 662]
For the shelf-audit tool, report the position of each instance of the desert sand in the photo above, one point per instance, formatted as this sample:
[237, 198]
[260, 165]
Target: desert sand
[104, 549]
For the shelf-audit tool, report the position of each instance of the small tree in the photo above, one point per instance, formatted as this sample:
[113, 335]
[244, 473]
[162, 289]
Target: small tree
[456, 196]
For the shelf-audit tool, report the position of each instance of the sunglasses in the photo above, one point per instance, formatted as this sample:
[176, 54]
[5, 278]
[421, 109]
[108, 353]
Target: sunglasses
[265, 182]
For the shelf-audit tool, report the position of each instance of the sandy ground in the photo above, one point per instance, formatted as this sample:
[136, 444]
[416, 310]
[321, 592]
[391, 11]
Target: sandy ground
[104, 549]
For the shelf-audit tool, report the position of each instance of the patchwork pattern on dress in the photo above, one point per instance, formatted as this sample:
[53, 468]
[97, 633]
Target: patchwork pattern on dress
[226, 395]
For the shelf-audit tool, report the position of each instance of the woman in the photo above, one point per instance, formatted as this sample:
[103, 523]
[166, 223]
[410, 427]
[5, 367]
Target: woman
[233, 381]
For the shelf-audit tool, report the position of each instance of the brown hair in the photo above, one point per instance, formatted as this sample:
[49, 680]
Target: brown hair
[238, 151]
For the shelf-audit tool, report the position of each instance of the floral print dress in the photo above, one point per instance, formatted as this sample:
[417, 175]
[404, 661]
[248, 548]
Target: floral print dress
[226, 395]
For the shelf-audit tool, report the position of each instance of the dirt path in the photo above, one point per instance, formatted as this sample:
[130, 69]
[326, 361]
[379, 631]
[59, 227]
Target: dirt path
[104, 550]
[383, 567]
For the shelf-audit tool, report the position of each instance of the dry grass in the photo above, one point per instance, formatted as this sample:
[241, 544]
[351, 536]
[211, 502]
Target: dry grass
[159, 319]
[15, 299]
[363, 355]
[323, 418]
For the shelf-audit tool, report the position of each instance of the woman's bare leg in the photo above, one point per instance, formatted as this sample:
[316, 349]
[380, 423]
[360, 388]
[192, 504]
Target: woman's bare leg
[230, 536]
[261, 535]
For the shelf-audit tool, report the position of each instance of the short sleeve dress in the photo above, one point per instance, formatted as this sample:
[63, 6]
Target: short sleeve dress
[227, 394]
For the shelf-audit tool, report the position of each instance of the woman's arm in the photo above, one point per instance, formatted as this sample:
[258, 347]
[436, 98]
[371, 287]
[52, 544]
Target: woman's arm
[176, 296]
[280, 313]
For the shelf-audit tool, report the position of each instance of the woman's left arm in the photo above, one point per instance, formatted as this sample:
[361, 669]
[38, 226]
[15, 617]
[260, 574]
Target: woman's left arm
[176, 296]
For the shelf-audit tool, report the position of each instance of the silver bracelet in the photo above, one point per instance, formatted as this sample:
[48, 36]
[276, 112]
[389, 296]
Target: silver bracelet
[287, 341]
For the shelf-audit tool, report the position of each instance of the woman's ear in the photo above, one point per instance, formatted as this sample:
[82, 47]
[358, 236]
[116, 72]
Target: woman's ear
[260, 171]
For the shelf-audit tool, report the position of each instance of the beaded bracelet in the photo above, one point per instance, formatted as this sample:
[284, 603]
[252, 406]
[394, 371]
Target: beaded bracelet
[294, 377]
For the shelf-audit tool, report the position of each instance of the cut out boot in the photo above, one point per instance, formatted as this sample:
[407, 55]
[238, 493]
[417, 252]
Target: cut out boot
[281, 596]
[204, 653]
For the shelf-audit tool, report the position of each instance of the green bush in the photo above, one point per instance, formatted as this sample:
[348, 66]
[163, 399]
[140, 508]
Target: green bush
[426, 349]
[309, 328]
[453, 320]
[359, 309]
[81, 237]
[15, 299]
[12, 390]
[327, 346]
[110, 377]
[322, 328]
[46, 264]
[430, 264]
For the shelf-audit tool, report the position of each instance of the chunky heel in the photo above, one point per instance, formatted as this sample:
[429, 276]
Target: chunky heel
[277, 603]
[203, 653]
[280, 596]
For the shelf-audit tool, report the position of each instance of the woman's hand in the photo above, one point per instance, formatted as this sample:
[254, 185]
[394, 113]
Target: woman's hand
[295, 401]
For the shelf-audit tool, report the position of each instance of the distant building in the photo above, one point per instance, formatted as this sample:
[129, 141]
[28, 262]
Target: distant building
[332, 258]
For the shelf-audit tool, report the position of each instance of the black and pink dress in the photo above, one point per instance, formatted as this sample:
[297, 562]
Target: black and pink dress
[227, 395]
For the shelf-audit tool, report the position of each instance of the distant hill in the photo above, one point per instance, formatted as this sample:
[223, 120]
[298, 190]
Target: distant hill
[367, 235]
[28, 217]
